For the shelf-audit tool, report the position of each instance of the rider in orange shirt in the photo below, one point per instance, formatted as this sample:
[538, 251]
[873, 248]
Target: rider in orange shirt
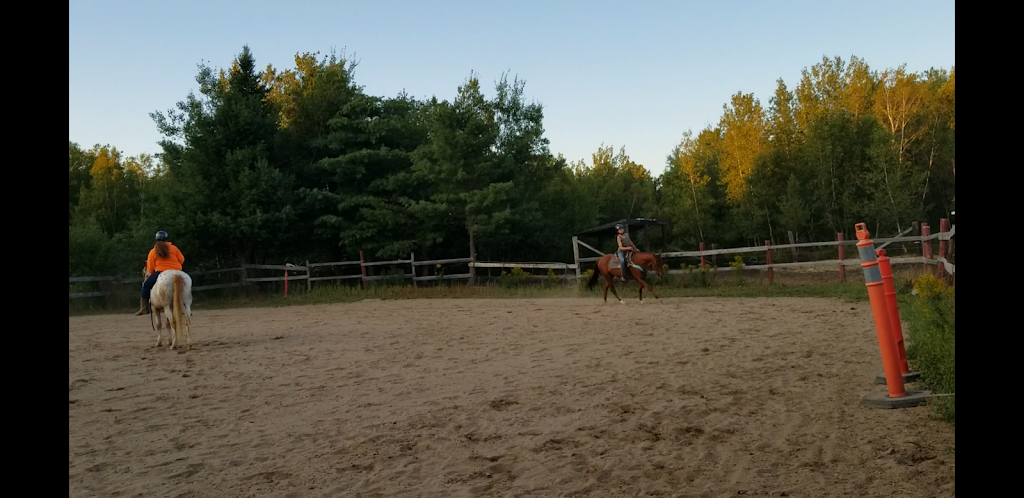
[162, 257]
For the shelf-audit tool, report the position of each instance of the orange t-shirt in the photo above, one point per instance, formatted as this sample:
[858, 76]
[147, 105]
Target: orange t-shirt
[173, 260]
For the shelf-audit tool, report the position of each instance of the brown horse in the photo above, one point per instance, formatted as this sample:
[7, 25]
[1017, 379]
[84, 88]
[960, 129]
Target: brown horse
[640, 264]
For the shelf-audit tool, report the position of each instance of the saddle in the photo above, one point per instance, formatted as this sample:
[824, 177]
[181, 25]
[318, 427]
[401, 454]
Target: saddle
[629, 261]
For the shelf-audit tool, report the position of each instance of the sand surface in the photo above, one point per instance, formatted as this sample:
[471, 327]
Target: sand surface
[543, 397]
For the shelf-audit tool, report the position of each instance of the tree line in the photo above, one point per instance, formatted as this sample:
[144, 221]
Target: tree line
[287, 165]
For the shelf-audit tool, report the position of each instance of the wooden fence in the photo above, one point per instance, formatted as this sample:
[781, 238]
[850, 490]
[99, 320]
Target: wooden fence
[139, 280]
[418, 270]
[927, 257]
[415, 271]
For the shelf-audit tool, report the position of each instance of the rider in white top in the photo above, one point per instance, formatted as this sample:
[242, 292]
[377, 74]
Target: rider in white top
[625, 245]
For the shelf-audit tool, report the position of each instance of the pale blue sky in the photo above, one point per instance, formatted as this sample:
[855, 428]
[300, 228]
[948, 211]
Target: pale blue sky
[634, 74]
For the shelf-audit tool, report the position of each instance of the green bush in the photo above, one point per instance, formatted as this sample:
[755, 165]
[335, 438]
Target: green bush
[392, 277]
[93, 253]
[516, 278]
[737, 269]
[931, 345]
[585, 277]
[552, 279]
[90, 251]
[698, 276]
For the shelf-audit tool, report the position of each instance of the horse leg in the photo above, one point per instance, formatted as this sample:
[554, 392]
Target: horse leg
[159, 327]
[611, 284]
[171, 332]
[641, 283]
[649, 287]
[187, 326]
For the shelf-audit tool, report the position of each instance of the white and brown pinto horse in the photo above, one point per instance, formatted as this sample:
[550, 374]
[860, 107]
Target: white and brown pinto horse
[172, 293]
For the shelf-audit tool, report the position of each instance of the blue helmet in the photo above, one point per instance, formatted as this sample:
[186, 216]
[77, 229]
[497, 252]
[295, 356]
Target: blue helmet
[619, 226]
[161, 235]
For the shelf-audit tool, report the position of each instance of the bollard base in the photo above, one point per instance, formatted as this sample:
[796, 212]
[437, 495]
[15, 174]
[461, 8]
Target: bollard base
[907, 378]
[882, 400]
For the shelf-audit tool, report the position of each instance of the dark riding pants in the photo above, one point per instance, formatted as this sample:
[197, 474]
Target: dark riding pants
[147, 286]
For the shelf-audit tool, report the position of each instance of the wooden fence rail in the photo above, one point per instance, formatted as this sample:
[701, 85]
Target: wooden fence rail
[927, 258]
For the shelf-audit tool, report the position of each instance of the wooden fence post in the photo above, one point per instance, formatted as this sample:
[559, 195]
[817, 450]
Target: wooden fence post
[576, 258]
[309, 283]
[926, 246]
[842, 256]
[792, 241]
[472, 260]
[768, 256]
[412, 263]
[362, 268]
[702, 256]
[943, 229]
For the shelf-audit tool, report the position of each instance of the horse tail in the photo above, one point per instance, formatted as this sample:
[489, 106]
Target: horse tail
[593, 278]
[179, 292]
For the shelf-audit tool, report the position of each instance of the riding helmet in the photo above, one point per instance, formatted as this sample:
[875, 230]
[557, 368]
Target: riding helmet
[161, 235]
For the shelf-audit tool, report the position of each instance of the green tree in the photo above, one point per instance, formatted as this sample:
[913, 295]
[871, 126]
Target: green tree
[895, 187]
[79, 163]
[744, 138]
[783, 130]
[368, 188]
[484, 160]
[792, 209]
[835, 156]
[624, 188]
[937, 147]
[898, 105]
[226, 190]
[116, 189]
[570, 204]
[834, 85]
[687, 188]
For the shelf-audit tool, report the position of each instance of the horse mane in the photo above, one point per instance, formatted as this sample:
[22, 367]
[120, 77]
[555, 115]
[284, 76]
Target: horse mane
[162, 249]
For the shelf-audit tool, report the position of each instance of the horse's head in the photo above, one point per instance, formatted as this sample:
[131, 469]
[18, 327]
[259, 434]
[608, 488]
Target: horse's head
[653, 262]
[659, 267]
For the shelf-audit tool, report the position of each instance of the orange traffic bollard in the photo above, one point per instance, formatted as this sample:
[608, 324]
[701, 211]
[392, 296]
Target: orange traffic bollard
[885, 267]
[876, 293]
[897, 397]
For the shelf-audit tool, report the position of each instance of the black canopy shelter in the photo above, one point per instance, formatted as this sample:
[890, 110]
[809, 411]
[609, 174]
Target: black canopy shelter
[607, 230]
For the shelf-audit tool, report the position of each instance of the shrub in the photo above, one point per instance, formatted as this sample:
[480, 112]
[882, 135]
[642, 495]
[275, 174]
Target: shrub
[932, 340]
[516, 278]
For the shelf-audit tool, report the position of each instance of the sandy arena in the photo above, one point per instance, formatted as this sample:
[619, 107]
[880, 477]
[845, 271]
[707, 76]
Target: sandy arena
[533, 397]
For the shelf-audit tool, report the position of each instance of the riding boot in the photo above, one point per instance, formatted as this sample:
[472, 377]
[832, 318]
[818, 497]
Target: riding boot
[143, 307]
